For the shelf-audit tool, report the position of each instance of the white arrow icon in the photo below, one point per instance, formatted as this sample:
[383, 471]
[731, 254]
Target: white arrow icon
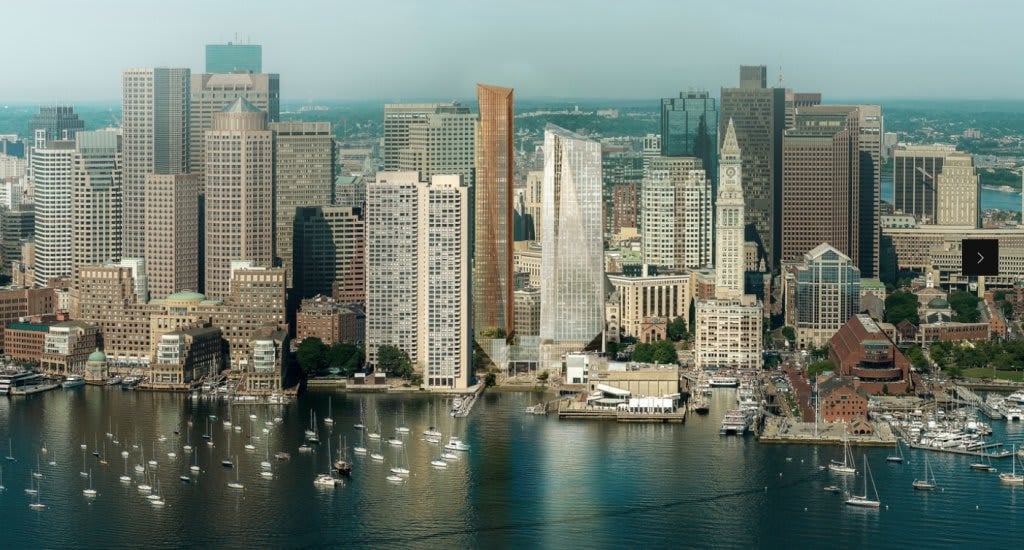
[980, 258]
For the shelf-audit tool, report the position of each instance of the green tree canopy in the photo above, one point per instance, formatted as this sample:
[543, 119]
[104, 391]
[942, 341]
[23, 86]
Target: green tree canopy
[790, 333]
[965, 306]
[311, 355]
[348, 358]
[901, 305]
[818, 367]
[394, 361]
[677, 329]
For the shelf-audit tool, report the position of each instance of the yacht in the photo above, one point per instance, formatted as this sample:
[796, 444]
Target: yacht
[723, 382]
[846, 466]
[324, 480]
[73, 381]
[1014, 414]
[1014, 399]
[735, 422]
[16, 378]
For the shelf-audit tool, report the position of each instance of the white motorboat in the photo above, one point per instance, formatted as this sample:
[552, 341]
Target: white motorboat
[73, 381]
[456, 444]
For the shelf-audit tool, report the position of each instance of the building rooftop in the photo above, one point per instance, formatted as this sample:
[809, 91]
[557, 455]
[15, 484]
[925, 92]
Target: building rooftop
[241, 105]
[98, 357]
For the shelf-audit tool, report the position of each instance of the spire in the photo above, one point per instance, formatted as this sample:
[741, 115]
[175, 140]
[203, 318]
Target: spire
[730, 147]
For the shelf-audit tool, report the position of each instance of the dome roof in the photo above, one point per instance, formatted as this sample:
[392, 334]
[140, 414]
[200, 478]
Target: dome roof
[98, 356]
[186, 296]
[938, 303]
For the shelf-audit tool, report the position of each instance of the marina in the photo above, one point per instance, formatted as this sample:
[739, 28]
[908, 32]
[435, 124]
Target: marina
[596, 459]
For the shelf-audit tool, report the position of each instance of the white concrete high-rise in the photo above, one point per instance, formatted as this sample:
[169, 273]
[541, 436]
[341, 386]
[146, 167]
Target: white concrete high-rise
[417, 274]
[676, 214]
[96, 199]
[572, 258]
[959, 192]
[155, 110]
[52, 164]
[729, 220]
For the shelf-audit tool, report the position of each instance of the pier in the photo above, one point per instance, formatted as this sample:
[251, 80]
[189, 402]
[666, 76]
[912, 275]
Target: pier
[464, 408]
[965, 395]
[576, 410]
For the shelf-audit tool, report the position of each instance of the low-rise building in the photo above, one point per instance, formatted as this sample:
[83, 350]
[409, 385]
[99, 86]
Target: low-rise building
[526, 309]
[863, 352]
[24, 342]
[645, 292]
[842, 401]
[945, 331]
[325, 318]
[186, 356]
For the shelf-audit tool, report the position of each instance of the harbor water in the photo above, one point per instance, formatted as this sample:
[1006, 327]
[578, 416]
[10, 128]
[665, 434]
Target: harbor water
[527, 481]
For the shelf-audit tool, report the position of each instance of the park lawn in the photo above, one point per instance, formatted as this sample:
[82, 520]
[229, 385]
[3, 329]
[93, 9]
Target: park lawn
[1015, 375]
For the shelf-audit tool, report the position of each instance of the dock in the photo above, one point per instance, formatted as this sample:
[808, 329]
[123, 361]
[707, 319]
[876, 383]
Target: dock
[784, 431]
[575, 410]
[35, 388]
[965, 395]
[468, 401]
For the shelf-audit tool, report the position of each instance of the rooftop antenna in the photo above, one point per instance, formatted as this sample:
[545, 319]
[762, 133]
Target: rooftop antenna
[781, 80]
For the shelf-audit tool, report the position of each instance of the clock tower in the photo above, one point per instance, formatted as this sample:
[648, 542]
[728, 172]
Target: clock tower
[729, 220]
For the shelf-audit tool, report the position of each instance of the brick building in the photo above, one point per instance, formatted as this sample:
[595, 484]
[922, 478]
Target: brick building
[863, 352]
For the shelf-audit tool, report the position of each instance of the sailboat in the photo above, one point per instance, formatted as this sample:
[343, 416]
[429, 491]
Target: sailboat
[361, 448]
[862, 500]
[158, 498]
[125, 478]
[10, 450]
[152, 462]
[265, 466]
[236, 484]
[399, 469]
[983, 466]
[376, 454]
[174, 443]
[402, 428]
[35, 504]
[249, 446]
[375, 434]
[846, 466]
[194, 468]
[53, 459]
[362, 419]
[2, 488]
[432, 434]
[90, 492]
[110, 424]
[928, 483]
[140, 468]
[38, 474]
[83, 473]
[227, 463]
[329, 420]
[311, 435]
[898, 457]
[342, 465]
[396, 440]
[188, 438]
[1012, 478]
[439, 462]
[103, 457]
[326, 479]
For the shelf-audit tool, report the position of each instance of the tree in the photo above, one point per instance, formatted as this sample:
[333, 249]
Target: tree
[901, 305]
[491, 379]
[790, 333]
[917, 359]
[347, 358]
[643, 353]
[394, 361]
[677, 329]
[964, 306]
[612, 348]
[544, 375]
[818, 367]
[311, 355]
[664, 352]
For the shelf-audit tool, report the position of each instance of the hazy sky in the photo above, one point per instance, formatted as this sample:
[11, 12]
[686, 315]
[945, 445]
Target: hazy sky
[74, 50]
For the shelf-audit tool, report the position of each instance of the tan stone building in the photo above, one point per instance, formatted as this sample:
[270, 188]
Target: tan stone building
[959, 192]
[239, 193]
[184, 356]
[650, 294]
[172, 233]
[67, 346]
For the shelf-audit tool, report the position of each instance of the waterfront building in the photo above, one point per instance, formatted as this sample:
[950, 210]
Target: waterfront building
[821, 182]
[211, 93]
[728, 333]
[417, 274]
[172, 234]
[239, 193]
[842, 401]
[66, 347]
[827, 295]
[52, 164]
[676, 212]
[17, 303]
[24, 341]
[95, 203]
[185, 356]
[959, 192]
[641, 294]
[58, 122]
[493, 237]
[915, 169]
[155, 109]
[758, 113]
[572, 259]
[303, 176]
[330, 253]
[234, 58]
[863, 352]
[264, 370]
[689, 128]
[730, 246]
[330, 321]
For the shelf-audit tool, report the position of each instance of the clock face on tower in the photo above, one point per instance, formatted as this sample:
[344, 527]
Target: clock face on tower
[730, 171]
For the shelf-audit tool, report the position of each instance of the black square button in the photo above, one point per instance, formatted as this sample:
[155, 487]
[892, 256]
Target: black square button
[980, 257]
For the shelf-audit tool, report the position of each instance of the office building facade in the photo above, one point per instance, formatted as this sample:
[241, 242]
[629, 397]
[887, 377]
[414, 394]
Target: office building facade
[676, 214]
[689, 128]
[234, 58]
[52, 167]
[172, 234]
[915, 172]
[330, 253]
[96, 199]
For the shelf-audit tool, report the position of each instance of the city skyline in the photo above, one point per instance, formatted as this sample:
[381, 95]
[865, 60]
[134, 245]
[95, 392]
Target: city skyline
[868, 69]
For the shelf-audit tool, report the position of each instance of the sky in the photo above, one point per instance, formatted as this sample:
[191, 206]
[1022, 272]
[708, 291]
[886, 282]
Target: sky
[74, 50]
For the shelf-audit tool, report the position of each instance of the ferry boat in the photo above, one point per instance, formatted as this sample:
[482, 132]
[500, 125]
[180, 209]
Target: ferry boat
[73, 381]
[16, 378]
[723, 382]
[735, 422]
[1015, 399]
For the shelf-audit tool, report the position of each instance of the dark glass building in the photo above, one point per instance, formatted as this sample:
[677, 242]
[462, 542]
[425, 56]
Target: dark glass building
[689, 128]
[56, 119]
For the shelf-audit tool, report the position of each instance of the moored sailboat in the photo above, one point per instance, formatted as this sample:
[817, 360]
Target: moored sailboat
[862, 500]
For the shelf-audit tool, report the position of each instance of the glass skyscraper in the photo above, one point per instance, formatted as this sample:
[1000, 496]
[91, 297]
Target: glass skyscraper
[689, 128]
[233, 58]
